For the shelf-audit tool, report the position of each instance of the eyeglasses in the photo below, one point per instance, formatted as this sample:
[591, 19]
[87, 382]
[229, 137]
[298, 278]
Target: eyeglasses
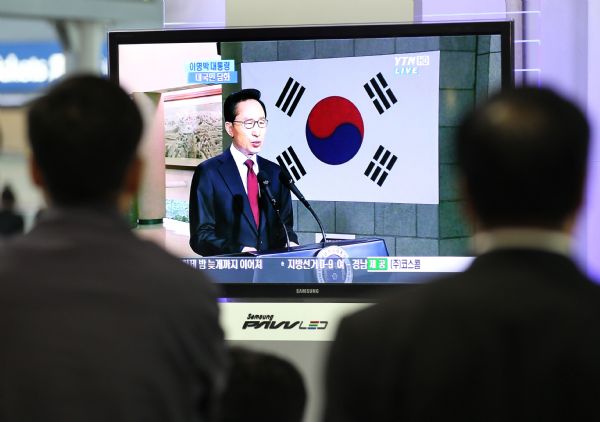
[250, 123]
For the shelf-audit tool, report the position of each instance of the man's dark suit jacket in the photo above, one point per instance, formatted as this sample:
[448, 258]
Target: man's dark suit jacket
[98, 325]
[514, 338]
[221, 219]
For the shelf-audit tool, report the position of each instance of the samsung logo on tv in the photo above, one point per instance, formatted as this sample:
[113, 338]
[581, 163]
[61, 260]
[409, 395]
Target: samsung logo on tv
[307, 291]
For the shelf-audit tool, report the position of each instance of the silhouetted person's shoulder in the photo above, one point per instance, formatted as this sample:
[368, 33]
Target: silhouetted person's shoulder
[513, 337]
[133, 318]
[262, 388]
[102, 326]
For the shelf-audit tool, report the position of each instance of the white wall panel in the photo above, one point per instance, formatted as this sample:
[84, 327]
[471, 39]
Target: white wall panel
[293, 12]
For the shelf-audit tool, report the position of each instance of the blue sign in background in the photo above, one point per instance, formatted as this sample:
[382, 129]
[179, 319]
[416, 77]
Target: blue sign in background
[25, 67]
[14, 57]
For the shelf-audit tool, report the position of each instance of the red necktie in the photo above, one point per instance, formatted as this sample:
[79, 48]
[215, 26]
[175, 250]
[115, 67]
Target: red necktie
[253, 190]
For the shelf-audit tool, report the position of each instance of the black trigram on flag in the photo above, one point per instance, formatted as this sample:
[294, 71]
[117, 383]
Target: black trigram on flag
[380, 166]
[380, 93]
[290, 96]
[289, 161]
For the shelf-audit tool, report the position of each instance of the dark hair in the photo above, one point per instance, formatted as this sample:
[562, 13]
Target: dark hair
[8, 196]
[231, 102]
[84, 133]
[523, 155]
[262, 388]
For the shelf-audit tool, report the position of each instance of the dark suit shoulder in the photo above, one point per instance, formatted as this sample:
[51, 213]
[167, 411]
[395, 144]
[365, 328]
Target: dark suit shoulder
[164, 262]
[215, 162]
[218, 160]
[536, 277]
[520, 324]
[134, 317]
[267, 164]
[373, 327]
[265, 161]
[408, 299]
[73, 244]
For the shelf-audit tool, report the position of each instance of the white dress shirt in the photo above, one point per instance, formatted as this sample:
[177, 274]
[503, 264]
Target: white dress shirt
[240, 159]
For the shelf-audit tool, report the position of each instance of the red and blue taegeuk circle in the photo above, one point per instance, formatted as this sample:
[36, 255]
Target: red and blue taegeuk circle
[334, 130]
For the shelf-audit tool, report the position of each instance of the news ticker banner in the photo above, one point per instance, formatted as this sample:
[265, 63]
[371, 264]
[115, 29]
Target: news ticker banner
[415, 264]
[336, 269]
[284, 321]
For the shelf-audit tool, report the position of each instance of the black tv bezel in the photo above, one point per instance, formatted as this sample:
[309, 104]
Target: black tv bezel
[315, 292]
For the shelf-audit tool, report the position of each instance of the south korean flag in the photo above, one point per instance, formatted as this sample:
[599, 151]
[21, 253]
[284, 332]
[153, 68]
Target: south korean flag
[358, 129]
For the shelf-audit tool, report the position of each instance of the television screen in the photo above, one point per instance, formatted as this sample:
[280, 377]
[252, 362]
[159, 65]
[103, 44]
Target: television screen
[361, 121]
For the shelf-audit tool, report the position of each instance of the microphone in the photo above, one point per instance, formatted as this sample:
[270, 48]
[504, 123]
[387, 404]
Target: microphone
[286, 179]
[265, 187]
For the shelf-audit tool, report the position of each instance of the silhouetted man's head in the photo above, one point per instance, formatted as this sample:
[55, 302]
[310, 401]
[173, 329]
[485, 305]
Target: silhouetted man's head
[523, 158]
[262, 388]
[84, 134]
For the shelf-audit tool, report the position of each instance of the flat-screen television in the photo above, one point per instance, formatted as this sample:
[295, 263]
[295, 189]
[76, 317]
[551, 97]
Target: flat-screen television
[362, 117]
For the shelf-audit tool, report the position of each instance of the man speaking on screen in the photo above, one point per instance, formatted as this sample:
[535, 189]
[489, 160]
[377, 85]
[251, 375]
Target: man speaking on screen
[228, 211]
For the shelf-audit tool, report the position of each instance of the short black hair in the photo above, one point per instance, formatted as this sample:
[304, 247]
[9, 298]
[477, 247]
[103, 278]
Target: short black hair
[84, 133]
[523, 155]
[8, 196]
[231, 102]
[262, 388]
